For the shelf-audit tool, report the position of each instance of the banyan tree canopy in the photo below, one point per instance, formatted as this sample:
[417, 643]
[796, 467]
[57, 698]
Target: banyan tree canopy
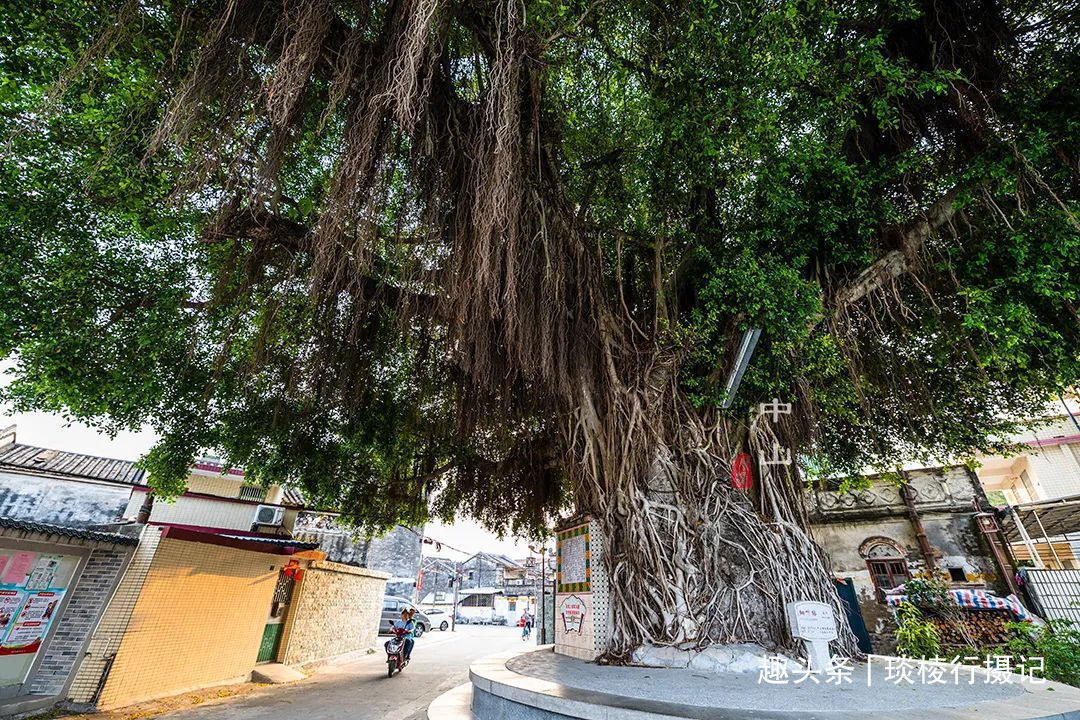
[492, 258]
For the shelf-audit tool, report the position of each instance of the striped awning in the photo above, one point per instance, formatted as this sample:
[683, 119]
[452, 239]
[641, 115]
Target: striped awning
[979, 599]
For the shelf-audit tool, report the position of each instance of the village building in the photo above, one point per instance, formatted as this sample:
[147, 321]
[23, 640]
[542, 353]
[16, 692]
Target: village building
[63, 488]
[133, 604]
[517, 592]
[1039, 486]
[55, 583]
[923, 522]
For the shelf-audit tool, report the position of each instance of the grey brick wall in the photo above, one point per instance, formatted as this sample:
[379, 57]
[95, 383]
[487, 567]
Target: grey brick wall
[85, 605]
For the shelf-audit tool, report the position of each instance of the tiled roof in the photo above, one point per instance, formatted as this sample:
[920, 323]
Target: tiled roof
[292, 496]
[71, 532]
[495, 559]
[59, 462]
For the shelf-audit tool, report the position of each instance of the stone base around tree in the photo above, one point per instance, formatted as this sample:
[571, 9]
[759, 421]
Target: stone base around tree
[543, 685]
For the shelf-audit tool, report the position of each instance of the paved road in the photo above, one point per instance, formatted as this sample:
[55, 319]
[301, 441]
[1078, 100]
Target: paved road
[360, 690]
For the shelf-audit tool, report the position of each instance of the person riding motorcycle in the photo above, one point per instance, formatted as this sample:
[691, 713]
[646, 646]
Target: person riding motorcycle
[406, 623]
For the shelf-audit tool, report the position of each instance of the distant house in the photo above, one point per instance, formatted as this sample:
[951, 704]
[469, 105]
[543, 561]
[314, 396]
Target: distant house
[63, 488]
[516, 586]
[437, 585]
[397, 553]
[489, 570]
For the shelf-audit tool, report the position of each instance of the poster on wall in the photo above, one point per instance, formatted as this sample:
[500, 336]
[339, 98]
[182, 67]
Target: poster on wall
[45, 569]
[573, 612]
[10, 602]
[18, 568]
[32, 623]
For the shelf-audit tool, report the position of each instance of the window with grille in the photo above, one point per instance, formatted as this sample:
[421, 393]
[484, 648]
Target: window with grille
[887, 574]
[252, 492]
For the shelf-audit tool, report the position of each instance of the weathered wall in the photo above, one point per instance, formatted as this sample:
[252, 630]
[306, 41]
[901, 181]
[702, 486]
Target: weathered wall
[844, 522]
[61, 502]
[397, 553]
[197, 622]
[335, 610]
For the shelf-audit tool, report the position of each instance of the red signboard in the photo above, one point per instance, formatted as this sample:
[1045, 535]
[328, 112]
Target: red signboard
[742, 475]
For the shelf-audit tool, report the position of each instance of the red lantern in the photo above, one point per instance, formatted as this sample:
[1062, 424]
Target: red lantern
[742, 475]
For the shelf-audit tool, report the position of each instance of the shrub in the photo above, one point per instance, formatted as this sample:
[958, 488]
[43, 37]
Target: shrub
[916, 637]
[1057, 643]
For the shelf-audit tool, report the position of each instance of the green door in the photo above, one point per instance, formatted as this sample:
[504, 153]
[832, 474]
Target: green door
[270, 640]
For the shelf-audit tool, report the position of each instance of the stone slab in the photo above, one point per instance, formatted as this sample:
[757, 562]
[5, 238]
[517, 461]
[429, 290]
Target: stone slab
[276, 673]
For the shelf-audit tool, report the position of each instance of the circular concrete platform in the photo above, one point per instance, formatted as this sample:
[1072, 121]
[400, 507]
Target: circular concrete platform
[540, 685]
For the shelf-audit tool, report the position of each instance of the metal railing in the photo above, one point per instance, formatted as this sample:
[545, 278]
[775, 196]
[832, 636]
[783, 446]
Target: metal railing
[1056, 593]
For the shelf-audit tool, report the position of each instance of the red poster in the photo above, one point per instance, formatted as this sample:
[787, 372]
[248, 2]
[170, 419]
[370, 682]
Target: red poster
[742, 474]
[10, 602]
[18, 568]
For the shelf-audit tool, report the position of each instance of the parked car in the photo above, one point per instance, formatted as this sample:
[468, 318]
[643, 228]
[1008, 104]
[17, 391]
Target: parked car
[439, 618]
[461, 619]
[391, 611]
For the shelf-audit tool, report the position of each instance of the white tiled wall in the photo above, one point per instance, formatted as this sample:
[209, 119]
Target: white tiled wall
[1057, 468]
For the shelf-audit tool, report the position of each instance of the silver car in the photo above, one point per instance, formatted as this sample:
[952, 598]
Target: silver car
[391, 611]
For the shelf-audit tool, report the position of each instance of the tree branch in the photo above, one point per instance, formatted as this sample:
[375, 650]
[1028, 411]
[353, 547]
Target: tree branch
[899, 261]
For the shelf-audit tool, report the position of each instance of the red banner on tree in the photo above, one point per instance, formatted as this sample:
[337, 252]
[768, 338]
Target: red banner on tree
[742, 475]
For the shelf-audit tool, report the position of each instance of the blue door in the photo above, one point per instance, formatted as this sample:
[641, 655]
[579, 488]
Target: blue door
[846, 590]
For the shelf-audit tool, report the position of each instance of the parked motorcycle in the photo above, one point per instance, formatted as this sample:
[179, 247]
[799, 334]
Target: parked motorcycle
[395, 652]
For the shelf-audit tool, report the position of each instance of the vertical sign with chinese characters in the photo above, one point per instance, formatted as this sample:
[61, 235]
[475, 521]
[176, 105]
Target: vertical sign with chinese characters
[582, 606]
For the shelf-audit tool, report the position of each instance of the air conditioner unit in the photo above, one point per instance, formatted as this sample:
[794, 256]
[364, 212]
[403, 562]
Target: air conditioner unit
[269, 515]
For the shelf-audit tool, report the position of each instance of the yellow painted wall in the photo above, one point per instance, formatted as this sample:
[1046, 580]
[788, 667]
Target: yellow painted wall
[221, 485]
[198, 622]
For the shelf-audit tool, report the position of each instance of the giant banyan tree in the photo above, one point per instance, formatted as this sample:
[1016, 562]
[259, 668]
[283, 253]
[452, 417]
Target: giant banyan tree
[431, 258]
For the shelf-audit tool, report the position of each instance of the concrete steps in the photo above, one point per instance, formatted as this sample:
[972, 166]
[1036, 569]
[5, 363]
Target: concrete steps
[455, 704]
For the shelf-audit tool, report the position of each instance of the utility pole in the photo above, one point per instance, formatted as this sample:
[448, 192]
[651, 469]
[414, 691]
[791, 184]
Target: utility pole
[541, 637]
[456, 580]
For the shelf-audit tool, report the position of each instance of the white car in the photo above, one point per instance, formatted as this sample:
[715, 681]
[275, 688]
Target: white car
[439, 618]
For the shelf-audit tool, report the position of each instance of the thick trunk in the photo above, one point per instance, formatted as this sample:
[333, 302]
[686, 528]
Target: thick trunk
[704, 569]
[690, 561]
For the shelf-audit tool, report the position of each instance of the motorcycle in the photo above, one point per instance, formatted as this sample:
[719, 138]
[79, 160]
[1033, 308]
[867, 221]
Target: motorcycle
[395, 652]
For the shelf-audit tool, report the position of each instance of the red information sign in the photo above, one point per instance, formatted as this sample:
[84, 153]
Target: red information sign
[742, 475]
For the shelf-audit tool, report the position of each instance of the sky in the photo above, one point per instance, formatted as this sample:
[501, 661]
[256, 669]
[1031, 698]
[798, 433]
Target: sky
[53, 431]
